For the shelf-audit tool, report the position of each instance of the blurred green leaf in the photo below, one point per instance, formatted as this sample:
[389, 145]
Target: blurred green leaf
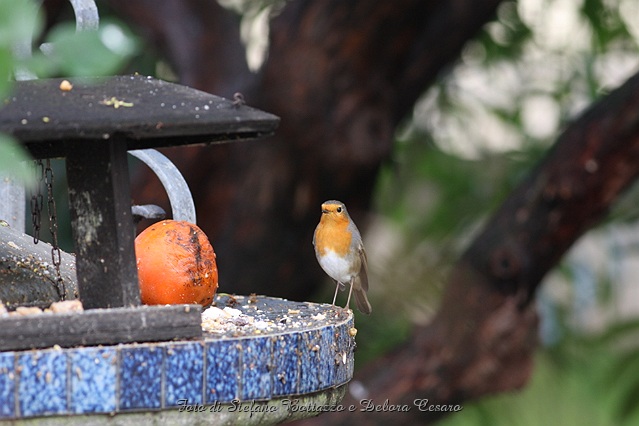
[14, 160]
[86, 53]
[505, 37]
[19, 22]
[377, 335]
[436, 194]
[6, 69]
[606, 23]
[581, 381]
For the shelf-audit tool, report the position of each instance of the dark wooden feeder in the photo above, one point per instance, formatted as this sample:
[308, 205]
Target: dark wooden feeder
[278, 349]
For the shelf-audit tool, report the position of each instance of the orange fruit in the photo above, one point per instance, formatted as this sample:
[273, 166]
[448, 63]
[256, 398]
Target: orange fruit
[176, 264]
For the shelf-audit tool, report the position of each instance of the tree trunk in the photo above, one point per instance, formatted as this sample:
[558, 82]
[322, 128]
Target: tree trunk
[341, 75]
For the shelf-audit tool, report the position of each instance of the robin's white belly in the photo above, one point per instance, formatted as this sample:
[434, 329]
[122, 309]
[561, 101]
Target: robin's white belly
[337, 267]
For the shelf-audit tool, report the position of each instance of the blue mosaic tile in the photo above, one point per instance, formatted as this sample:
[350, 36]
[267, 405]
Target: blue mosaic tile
[140, 377]
[184, 373]
[256, 369]
[286, 370]
[93, 380]
[42, 385]
[7, 385]
[309, 361]
[153, 376]
[222, 371]
[327, 366]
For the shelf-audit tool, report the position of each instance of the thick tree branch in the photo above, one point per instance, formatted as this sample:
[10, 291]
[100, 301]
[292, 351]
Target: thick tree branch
[483, 337]
[593, 161]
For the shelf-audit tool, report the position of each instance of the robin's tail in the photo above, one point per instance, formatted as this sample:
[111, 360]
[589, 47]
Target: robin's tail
[361, 300]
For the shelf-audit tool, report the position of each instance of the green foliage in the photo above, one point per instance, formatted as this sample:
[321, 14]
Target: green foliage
[504, 38]
[12, 159]
[6, 63]
[69, 53]
[429, 192]
[472, 138]
[377, 335]
[18, 22]
[606, 22]
[582, 381]
[86, 53]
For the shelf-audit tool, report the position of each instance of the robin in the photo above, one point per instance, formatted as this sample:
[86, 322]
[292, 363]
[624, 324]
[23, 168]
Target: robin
[340, 253]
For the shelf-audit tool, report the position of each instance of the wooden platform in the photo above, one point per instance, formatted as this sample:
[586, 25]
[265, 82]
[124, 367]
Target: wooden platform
[145, 111]
[100, 327]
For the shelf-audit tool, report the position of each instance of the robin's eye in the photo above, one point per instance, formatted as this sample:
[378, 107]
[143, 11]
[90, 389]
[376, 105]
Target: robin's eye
[339, 210]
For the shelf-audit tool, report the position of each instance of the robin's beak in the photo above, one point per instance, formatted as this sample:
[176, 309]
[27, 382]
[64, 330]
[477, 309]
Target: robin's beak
[324, 211]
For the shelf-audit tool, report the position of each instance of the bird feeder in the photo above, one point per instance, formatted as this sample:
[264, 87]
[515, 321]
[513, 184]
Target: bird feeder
[282, 360]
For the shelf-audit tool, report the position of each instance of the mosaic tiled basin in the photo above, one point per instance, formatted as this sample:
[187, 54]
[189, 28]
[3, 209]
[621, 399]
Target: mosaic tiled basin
[292, 349]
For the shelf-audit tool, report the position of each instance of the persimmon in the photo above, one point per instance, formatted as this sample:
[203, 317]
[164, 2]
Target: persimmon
[176, 264]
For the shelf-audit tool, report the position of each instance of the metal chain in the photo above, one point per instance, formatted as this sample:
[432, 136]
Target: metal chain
[44, 177]
[56, 256]
[37, 201]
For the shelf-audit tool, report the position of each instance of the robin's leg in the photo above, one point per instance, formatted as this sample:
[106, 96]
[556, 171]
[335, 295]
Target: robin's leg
[348, 301]
[337, 284]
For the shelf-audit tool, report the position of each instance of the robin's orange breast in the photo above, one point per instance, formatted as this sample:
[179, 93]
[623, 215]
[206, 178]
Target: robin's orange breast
[333, 235]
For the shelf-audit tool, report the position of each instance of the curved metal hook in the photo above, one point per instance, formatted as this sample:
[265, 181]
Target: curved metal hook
[86, 15]
[182, 206]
